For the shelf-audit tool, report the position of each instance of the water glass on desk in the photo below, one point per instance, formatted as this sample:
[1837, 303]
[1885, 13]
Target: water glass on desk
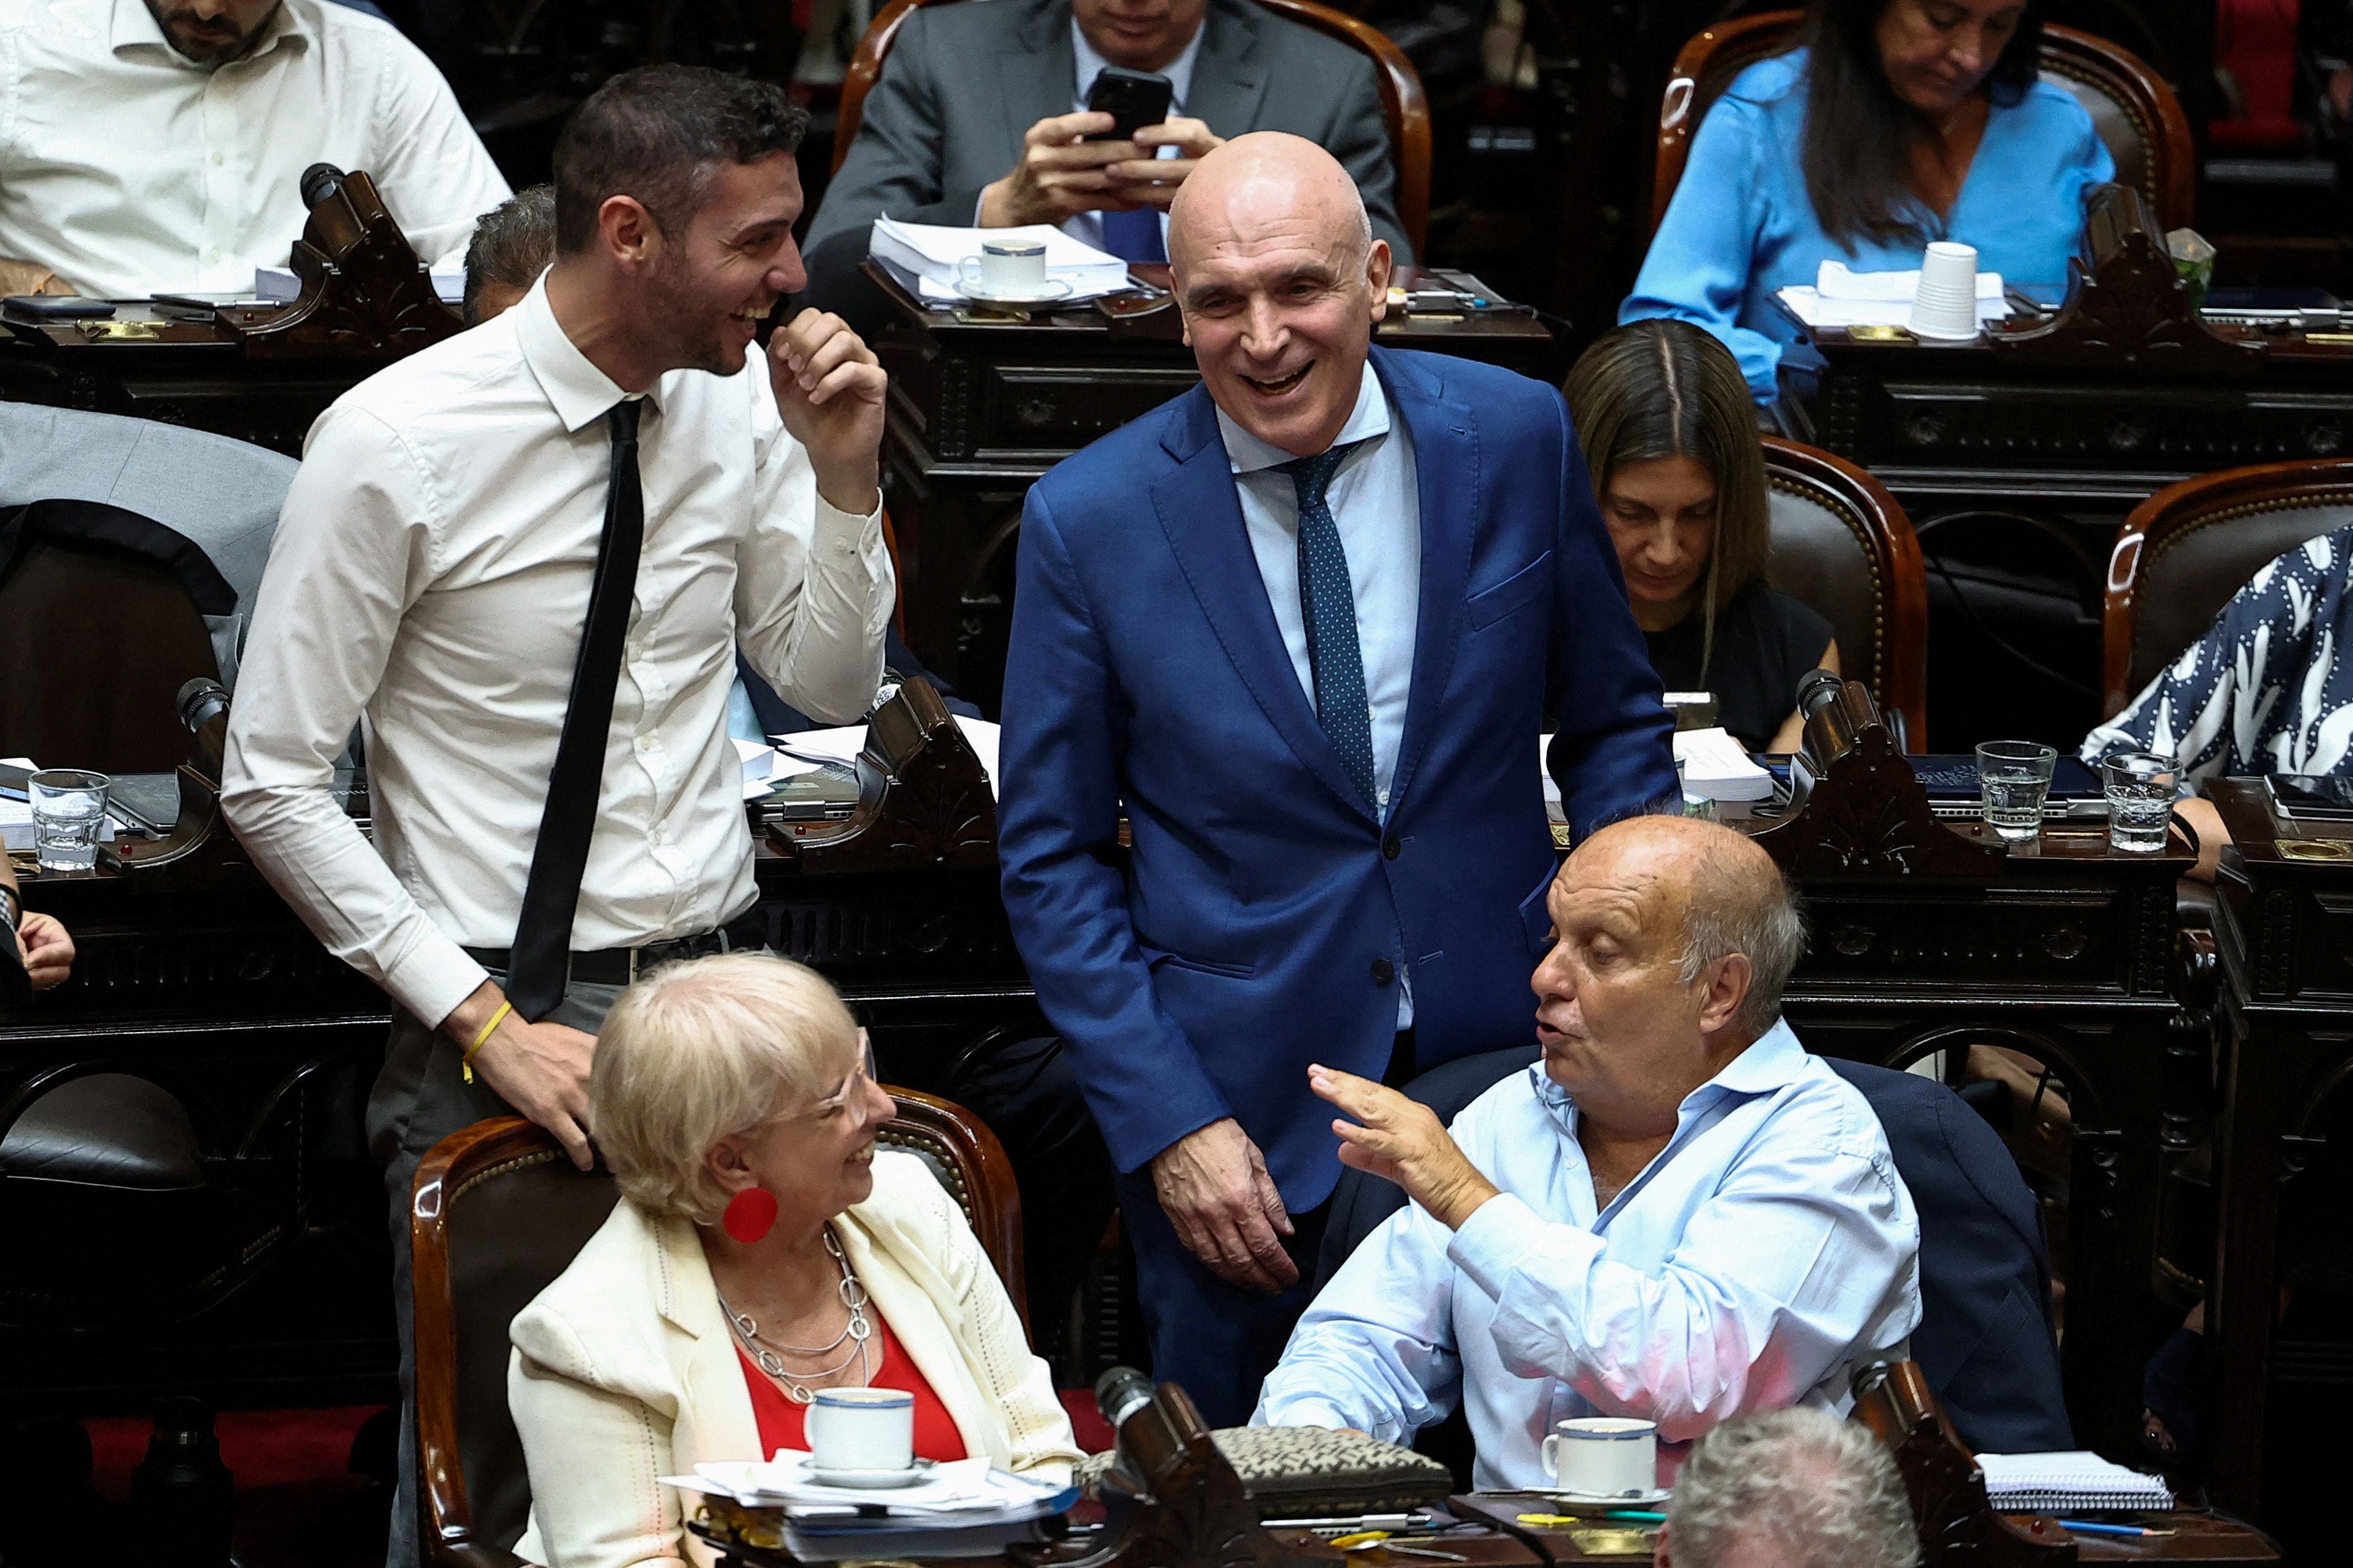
[68, 808]
[2013, 780]
[2140, 787]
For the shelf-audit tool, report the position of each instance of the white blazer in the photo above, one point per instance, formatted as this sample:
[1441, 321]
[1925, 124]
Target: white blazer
[624, 1369]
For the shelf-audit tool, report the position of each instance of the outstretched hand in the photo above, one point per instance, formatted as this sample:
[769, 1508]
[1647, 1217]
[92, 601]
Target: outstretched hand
[1402, 1140]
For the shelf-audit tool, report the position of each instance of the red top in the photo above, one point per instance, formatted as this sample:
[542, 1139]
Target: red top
[783, 1420]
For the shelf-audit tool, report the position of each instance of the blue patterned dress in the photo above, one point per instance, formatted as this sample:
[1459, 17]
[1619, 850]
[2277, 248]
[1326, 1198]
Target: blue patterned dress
[2267, 689]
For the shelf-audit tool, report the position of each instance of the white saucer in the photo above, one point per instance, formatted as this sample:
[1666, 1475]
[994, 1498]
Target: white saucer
[1056, 288]
[1928, 337]
[1590, 1500]
[870, 1480]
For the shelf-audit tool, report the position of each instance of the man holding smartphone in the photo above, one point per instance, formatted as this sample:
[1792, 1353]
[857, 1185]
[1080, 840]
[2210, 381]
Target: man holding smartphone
[1011, 114]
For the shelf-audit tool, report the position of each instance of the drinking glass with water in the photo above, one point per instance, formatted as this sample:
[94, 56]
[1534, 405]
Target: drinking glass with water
[2014, 779]
[2140, 787]
[69, 806]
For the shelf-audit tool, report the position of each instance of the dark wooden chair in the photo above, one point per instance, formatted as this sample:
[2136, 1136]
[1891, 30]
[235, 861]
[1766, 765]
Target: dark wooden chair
[1404, 106]
[101, 621]
[2135, 114]
[1841, 544]
[2186, 548]
[497, 1213]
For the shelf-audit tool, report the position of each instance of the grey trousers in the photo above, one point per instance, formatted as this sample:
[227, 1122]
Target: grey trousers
[419, 1099]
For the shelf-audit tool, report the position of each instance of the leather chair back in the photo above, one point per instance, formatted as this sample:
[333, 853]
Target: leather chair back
[102, 615]
[2134, 113]
[1405, 107]
[497, 1213]
[1843, 546]
[2185, 550]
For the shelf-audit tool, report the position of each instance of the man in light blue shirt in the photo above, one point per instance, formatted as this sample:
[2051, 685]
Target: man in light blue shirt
[1680, 1216]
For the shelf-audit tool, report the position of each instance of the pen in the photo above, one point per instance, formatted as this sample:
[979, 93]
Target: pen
[2092, 1527]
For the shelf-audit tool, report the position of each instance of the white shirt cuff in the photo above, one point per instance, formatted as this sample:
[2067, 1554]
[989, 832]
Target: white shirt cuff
[839, 533]
[1301, 1410]
[433, 977]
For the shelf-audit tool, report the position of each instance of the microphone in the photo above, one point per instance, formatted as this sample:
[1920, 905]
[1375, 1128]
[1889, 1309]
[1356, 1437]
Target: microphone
[1121, 1392]
[201, 701]
[1817, 690]
[319, 181]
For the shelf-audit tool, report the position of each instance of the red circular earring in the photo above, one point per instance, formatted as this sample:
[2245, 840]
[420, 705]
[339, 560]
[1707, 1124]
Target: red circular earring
[750, 1215]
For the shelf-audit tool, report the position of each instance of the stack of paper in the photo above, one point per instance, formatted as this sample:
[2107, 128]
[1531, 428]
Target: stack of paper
[1715, 765]
[934, 257]
[842, 745]
[1841, 298]
[2068, 1483]
[963, 1508]
[765, 769]
[281, 283]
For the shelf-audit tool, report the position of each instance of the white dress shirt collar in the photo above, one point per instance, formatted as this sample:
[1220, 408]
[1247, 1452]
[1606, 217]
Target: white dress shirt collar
[1179, 71]
[1246, 454]
[580, 393]
[134, 27]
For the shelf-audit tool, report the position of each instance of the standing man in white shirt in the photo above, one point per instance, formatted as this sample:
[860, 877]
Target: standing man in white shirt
[155, 146]
[525, 559]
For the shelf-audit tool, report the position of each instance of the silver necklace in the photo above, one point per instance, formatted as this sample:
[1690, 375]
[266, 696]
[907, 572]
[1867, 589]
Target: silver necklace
[768, 1354]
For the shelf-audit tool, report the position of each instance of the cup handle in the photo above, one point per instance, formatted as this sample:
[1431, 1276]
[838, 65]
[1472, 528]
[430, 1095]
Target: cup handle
[1551, 1456]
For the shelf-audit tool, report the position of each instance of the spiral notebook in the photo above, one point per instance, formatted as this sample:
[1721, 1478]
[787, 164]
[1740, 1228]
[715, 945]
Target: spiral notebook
[2068, 1482]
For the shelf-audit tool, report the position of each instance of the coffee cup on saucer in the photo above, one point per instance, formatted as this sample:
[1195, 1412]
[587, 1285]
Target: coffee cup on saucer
[1007, 269]
[861, 1432]
[1604, 1457]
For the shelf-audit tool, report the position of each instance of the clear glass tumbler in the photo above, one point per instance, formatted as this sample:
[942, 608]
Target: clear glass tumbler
[2014, 779]
[69, 806]
[2140, 787]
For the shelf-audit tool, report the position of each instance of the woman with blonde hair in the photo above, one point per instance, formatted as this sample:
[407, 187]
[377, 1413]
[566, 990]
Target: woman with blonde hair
[1669, 437]
[764, 1249]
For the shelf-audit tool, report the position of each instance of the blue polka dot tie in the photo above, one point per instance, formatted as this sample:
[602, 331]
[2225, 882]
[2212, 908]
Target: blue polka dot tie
[1327, 603]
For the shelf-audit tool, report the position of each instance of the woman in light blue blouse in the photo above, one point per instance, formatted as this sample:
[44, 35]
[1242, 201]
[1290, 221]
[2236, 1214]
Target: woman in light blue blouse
[1898, 123]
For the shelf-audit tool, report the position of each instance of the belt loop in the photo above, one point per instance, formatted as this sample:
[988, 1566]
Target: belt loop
[633, 964]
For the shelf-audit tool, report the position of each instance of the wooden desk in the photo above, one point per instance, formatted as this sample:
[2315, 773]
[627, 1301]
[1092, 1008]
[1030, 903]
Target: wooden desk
[981, 409]
[194, 374]
[2286, 931]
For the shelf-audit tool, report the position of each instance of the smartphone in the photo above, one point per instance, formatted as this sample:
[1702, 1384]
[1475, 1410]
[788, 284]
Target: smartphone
[1133, 98]
[2311, 798]
[59, 306]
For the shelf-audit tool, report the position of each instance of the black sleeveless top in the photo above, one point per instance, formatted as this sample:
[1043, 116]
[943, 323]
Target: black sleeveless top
[1765, 641]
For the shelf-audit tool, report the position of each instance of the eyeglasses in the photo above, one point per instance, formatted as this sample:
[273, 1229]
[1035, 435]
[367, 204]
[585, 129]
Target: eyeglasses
[853, 1087]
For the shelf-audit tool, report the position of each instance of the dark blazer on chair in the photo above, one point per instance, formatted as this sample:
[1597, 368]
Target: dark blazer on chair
[1264, 916]
[962, 84]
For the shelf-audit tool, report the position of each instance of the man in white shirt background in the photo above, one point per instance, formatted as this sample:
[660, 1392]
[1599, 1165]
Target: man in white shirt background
[525, 559]
[155, 146]
[1678, 1216]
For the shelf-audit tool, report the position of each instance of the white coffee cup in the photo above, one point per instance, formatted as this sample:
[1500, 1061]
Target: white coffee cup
[1009, 268]
[861, 1429]
[1945, 308]
[1603, 1457]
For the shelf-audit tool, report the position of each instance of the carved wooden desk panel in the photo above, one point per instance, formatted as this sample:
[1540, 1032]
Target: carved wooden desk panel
[2286, 931]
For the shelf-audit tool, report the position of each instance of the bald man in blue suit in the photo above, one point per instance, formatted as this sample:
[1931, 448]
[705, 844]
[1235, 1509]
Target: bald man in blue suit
[1293, 627]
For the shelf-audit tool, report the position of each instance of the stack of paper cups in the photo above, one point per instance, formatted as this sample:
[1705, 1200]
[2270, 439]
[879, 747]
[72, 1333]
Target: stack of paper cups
[1946, 308]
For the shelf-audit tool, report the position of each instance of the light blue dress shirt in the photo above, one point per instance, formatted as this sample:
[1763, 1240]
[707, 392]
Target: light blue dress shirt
[1375, 503]
[1087, 227]
[1768, 1251]
[1741, 226]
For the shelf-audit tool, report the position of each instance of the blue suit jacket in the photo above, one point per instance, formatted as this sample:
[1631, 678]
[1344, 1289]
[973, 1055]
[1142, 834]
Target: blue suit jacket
[1244, 937]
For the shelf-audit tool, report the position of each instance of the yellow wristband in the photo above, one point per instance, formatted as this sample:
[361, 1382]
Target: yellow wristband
[466, 1062]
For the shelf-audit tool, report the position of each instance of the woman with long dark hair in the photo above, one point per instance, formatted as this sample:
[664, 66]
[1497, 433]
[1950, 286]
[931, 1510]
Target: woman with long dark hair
[1895, 123]
[1671, 441]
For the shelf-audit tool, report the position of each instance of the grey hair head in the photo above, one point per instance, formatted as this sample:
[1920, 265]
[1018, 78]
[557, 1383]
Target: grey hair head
[1740, 910]
[513, 244]
[1824, 1493]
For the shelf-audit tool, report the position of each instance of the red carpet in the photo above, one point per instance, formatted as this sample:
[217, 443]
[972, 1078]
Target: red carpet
[297, 1504]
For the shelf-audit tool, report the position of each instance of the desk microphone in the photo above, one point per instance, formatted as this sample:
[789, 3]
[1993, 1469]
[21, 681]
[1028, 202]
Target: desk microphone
[201, 701]
[1121, 1392]
[319, 181]
[1817, 690]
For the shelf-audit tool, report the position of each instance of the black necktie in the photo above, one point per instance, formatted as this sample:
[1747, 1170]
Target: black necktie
[542, 945]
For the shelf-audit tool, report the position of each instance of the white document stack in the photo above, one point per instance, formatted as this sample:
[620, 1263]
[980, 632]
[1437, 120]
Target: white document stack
[934, 256]
[2069, 1482]
[1714, 765]
[963, 1509]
